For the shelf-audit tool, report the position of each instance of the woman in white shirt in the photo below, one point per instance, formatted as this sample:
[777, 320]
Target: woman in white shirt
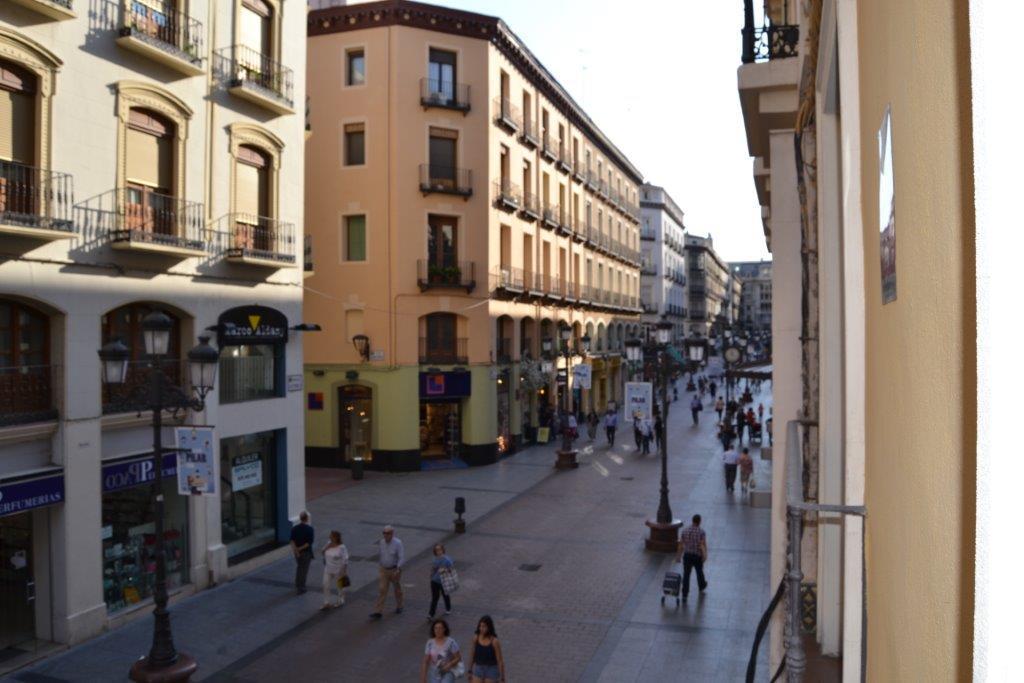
[442, 661]
[335, 556]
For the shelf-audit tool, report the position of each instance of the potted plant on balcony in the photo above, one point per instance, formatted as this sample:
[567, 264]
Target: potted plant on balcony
[452, 274]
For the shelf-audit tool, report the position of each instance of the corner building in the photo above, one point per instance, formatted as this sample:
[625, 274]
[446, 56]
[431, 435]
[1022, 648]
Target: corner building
[150, 159]
[465, 208]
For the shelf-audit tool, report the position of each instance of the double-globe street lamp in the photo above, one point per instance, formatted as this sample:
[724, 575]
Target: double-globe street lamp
[156, 394]
[664, 528]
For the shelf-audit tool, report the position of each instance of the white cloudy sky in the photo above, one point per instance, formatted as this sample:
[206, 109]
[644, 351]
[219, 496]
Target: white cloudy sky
[659, 78]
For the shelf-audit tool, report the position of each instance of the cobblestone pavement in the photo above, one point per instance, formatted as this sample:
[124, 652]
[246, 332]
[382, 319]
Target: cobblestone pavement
[591, 611]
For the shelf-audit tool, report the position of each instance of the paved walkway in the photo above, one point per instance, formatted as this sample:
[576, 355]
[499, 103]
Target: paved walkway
[587, 610]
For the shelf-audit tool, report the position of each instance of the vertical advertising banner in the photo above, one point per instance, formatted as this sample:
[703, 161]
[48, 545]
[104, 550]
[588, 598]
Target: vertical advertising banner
[197, 466]
[886, 210]
[638, 400]
[581, 376]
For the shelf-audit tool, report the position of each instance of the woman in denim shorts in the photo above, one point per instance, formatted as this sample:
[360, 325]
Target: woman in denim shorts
[486, 664]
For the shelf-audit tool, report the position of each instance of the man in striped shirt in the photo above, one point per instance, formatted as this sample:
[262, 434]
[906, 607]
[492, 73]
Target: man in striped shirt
[693, 552]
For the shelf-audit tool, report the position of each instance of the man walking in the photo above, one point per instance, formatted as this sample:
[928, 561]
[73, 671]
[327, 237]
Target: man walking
[611, 421]
[302, 548]
[692, 551]
[695, 407]
[730, 458]
[741, 421]
[392, 557]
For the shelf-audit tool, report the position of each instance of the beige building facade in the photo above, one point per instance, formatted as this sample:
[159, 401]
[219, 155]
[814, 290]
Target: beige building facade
[150, 159]
[464, 208]
[708, 285]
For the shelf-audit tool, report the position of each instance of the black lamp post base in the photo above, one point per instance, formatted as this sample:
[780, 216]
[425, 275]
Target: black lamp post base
[566, 459]
[181, 670]
[664, 538]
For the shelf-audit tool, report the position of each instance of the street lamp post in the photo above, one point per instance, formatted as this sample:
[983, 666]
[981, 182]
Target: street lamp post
[157, 394]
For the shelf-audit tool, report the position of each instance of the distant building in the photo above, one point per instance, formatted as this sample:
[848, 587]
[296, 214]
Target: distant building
[707, 286]
[662, 269]
[755, 308]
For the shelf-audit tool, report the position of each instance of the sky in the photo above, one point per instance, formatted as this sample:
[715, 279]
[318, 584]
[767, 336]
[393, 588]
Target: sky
[659, 78]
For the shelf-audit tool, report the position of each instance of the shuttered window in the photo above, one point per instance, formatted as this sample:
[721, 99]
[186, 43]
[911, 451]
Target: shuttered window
[251, 184]
[355, 144]
[17, 114]
[442, 153]
[355, 238]
[149, 149]
[255, 26]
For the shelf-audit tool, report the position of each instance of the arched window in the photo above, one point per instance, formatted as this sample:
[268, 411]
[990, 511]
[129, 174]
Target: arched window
[19, 182]
[149, 172]
[125, 323]
[25, 373]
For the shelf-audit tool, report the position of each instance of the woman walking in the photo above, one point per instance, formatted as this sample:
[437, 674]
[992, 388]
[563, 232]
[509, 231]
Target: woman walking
[592, 425]
[486, 665]
[335, 556]
[746, 469]
[441, 657]
[441, 562]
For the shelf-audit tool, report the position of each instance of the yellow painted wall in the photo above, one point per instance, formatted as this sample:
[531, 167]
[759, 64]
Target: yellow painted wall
[920, 389]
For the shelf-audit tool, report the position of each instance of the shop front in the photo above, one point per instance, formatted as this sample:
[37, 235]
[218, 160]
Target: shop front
[24, 503]
[128, 531]
[253, 506]
[252, 342]
[441, 398]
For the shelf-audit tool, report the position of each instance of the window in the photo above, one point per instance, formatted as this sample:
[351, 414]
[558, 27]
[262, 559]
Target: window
[149, 172]
[248, 372]
[443, 146]
[355, 413]
[442, 244]
[355, 144]
[440, 340]
[17, 117]
[504, 168]
[248, 510]
[441, 74]
[256, 27]
[25, 390]
[252, 200]
[355, 238]
[355, 67]
[125, 323]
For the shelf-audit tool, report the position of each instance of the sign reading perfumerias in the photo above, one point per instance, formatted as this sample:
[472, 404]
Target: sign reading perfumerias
[252, 325]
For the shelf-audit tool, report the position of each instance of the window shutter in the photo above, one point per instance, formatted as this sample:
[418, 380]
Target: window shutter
[355, 239]
[247, 189]
[143, 163]
[17, 127]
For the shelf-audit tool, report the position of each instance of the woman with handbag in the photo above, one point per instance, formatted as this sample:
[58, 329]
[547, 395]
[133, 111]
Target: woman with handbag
[335, 556]
[442, 661]
[441, 564]
[486, 665]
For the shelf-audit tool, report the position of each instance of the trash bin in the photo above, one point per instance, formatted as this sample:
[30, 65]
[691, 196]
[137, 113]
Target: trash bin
[357, 468]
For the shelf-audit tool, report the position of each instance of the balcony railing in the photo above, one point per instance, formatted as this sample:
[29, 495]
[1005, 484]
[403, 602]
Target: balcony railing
[245, 69]
[163, 26]
[257, 240]
[118, 398]
[140, 219]
[529, 135]
[507, 195]
[35, 198]
[26, 394]
[508, 279]
[566, 223]
[555, 287]
[530, 210]
[551, 214]
[525, 347]
[444, 351]
[548, 150]
[445, 180]
[503, 352]
[591, 180]
[432, 274]
[535, 283]
[564, 162]
[438, 92]
[769, 42]
[507, 115]
[307, 254]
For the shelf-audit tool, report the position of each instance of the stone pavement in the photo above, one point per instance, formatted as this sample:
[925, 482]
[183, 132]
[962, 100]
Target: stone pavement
[556, 558]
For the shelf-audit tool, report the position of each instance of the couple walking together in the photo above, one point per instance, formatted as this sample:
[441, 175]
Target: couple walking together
[335, 558]
[443, 660]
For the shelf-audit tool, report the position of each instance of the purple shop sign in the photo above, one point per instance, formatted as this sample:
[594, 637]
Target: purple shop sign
[19, 496]
[125, 474]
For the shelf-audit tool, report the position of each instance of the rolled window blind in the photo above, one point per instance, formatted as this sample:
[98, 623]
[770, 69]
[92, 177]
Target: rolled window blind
[247, 191]
[17, 127]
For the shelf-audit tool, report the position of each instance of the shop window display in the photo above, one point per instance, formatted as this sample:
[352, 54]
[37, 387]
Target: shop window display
[248, 504]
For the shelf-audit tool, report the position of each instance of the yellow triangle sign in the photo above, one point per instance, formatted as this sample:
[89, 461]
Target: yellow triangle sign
[254, 322]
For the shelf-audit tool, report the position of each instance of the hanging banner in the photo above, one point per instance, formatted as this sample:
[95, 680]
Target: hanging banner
[638, 400]
[197, 466]
[581, 376]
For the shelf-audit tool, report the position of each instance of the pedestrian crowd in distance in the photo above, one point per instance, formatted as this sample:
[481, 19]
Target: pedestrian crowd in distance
[443, 661]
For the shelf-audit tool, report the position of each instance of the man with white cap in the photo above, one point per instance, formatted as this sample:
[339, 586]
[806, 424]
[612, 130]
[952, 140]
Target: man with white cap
[392, 556]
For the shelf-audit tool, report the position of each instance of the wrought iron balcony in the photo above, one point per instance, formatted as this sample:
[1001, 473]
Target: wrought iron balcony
[592, 180]
[530, 210]
[35, 202]
[256, 240]
[508, 280]
[507, 195]
[138, 219]
[565, 222]
[551, 214]
[548, 150]
[444, 94]
[536, 283]
[529, 135]
[54, 9]
[121, 398]
[27, 394]
[564, 163]
[255, 77]
[555, 287]
[444, 351]
[435, 178]
[507, 115]
[160, 31]
[307, 255]
[432, 274]
[769, 42]
[503, 350]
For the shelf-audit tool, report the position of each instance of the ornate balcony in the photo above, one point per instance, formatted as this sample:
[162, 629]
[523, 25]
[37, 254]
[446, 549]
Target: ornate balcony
[435, 178]
[27, 393]
[119, 398]
[159, 31]
[548, 150]
[564, 163]
[529, 135]
[551, 214]
[444, 94]
[255, 77]
[770, 42]
[257, 240]
[507, 195]
[530, 210]
[34, 202]
[508, 281]
[506, 115]
[140, 220]
[432, 274]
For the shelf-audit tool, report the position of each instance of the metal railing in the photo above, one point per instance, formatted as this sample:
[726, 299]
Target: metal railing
[564, 162]
[432, 273]
[551, 214]
[503, 350]
[307, 254]
[439, 92]
[245, 236]
[27, 394]
[547, 149]
[242, 66]
[444, 351]
[770, 42]
[507, 114]
[119, 398]
[446, 180]
[130, 215]
[35, 198]
[508, 278]
[531, 206]
[529, 135]
[162, 25]
[578, 171]
[506, 194]
[525, 347]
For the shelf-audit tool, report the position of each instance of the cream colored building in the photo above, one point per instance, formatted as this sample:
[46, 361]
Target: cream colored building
[708, 286]
[662, 259]
[151, 158]
[755, 306]
[462, 207]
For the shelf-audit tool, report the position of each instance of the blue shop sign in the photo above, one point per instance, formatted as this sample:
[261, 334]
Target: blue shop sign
[444, 385]
[124, 474]
[26, 494]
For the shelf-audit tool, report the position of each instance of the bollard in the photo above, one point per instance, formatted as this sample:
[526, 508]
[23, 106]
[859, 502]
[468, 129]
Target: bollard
[460, 508]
